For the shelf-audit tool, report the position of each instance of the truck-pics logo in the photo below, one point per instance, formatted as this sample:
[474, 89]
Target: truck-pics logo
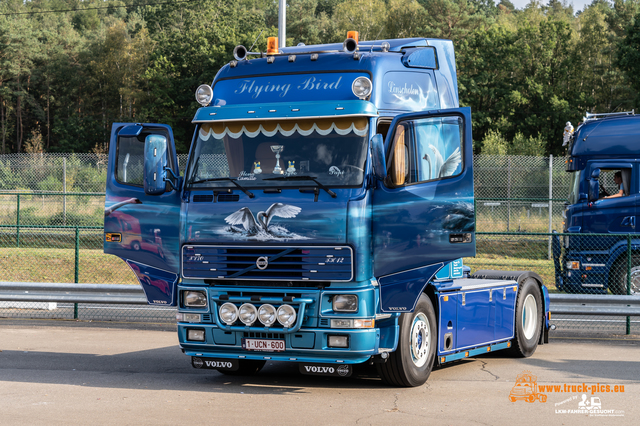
[526, 388]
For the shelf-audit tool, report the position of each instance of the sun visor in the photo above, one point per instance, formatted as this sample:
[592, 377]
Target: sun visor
[290, 111]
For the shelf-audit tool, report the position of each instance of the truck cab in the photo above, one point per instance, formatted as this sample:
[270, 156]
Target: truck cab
[600, 216]
[322, 217]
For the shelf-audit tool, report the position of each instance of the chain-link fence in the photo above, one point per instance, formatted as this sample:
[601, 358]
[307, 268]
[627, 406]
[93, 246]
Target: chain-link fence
[52, 212]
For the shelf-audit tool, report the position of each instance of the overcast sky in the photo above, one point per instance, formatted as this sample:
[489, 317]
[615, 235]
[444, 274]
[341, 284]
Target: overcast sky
[577, 4]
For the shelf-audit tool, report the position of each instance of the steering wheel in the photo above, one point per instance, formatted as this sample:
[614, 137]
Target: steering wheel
[603, 192]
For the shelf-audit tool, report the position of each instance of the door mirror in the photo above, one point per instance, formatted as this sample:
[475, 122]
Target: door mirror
[155, 162]
[594, 185]
[377, 156]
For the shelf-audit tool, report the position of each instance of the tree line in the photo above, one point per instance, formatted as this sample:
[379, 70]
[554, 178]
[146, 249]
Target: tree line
[70, 68]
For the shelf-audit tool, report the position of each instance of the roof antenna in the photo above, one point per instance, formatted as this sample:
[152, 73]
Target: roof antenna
[257, 38]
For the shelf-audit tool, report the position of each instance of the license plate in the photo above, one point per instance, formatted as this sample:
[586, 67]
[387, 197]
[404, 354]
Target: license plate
[264, 345]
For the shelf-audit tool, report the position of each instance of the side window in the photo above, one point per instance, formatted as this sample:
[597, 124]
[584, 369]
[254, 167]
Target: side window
[130, 162]
[614, 182]
[425, 149]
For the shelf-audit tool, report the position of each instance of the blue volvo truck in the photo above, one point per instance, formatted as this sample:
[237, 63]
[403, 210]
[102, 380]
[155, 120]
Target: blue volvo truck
[322, 217]
[600, 242]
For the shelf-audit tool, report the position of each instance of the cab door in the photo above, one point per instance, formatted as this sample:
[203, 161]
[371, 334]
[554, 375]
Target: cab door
[141, 228]
[423, 212]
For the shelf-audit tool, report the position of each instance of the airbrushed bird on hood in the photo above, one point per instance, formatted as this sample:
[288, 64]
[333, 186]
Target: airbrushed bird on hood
[438, 167]
[245, 217]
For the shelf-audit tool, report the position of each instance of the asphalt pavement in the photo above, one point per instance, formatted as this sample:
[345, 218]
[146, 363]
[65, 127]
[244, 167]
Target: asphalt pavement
[65, 372]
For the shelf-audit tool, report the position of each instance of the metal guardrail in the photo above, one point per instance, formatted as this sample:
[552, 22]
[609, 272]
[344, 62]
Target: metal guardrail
[589, 304]
[565, 304]
[72, 293]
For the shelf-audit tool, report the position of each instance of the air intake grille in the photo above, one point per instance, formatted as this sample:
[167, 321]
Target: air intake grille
[327, 263]
[228, 197]
[202, 198]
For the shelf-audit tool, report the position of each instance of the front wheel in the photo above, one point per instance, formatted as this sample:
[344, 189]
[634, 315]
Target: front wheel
[529, 316]
[411, 363]
[618, 276]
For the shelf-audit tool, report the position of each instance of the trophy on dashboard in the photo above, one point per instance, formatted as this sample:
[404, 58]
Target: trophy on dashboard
[277, 149]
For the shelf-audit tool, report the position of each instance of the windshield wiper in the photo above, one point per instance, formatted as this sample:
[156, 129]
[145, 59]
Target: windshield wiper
[232, 180]
[313, 178]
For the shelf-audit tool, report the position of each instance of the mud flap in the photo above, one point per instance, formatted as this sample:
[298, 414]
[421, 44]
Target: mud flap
[556, 248]
[215, 364]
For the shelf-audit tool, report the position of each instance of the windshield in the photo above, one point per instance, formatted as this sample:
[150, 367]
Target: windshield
[330, 151]
[574, 189]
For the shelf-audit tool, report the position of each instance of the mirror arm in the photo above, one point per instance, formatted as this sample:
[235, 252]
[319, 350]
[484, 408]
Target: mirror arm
[173, 176]
[168, 169]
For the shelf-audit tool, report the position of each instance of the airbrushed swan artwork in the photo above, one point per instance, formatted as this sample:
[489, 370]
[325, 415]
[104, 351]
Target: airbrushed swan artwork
[322, 218]
[259, 227]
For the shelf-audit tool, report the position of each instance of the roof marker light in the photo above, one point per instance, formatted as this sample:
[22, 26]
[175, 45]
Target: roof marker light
[272, 46]
[354, 35]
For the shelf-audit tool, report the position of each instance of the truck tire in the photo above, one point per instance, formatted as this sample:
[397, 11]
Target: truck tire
[248, 367]
[618, 276]
[412, 362]
[528, 320]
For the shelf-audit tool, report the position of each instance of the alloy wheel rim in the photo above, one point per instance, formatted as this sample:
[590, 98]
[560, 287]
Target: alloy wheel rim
[420, 340]
[529, 316]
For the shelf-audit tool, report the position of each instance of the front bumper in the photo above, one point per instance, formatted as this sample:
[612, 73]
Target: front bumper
[305, 345]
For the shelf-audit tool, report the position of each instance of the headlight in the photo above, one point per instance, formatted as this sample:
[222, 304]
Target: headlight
[228, 313]
[194, 299]
[286, 315]
[361, 87]
[573, 265]
[345, 303]
[267, 315]
[248, 314]
[204, 94]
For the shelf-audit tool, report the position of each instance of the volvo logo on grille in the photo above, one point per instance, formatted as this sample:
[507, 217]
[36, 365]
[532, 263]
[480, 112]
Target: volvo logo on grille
[262, 262]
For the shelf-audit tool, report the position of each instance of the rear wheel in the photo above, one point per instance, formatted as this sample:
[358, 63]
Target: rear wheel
[411, 363]
[248, 367]
[529, 316]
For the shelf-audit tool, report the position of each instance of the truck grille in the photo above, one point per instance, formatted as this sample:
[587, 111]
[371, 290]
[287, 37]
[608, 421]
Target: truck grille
[315, 263]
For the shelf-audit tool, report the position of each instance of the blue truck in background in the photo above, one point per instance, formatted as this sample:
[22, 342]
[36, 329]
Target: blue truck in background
[600, 237]
[322, 218]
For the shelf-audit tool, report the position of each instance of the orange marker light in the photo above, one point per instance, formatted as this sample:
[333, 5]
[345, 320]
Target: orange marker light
[445, 298]
[353, 34]
[272, 46]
